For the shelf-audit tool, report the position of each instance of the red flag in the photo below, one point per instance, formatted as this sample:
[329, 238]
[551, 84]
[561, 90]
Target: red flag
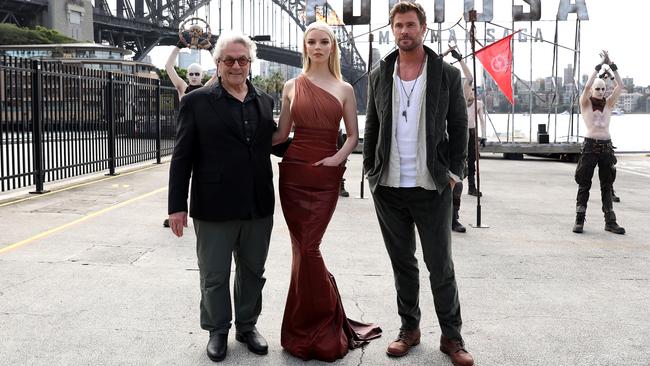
[497, 60]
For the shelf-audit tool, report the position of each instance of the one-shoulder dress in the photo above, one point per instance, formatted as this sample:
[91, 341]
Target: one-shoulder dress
[314, 325]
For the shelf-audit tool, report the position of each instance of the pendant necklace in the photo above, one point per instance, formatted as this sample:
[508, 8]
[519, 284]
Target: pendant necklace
[401, 83]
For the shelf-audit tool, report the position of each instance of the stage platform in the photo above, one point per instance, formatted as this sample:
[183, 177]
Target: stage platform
[569, 151]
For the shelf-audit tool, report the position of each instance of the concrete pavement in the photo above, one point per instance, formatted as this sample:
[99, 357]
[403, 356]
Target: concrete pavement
[88, 275]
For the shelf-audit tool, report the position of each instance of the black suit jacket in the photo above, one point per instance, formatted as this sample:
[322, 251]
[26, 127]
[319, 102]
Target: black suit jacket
[231, 179]
[446, 120]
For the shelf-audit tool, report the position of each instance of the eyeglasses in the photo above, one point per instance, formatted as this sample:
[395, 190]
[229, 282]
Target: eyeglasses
[598, 89]
[242, 61]
[194, 73]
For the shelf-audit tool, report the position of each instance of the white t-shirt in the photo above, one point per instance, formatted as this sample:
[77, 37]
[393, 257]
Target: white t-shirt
[407, 129]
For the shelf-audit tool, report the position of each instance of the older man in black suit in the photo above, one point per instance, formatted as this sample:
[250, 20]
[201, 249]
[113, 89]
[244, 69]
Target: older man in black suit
[223, 143]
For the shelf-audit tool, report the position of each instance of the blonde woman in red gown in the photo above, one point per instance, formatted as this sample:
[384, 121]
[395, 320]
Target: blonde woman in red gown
[314, 324]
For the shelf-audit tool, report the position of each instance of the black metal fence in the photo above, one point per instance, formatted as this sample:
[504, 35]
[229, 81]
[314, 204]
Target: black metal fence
[59, 121]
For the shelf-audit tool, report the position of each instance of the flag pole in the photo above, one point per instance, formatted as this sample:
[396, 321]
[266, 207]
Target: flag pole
[472, 33]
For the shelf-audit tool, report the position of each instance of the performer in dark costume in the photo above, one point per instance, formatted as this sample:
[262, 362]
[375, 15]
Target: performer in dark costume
[597, 149]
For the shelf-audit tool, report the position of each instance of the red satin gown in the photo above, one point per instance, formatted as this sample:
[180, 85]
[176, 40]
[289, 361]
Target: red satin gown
[314, 324]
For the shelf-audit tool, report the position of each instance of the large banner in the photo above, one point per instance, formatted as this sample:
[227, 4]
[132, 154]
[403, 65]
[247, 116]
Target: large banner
[519, 13]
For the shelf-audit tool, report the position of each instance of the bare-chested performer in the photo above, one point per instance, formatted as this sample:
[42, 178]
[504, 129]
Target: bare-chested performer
[468, 91]
[596, 111]
[607, 75]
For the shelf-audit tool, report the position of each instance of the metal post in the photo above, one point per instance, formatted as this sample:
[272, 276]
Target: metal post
[530, 89]
[220, 20]
[158, 126]
[472, 33]
[512, 83]
[440, 41]
[577, 65]
[555, 71]
[37, 128]
[110, 115]
[371, 38]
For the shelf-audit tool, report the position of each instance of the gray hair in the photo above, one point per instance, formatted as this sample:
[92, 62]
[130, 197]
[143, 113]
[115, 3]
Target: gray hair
[228, 37]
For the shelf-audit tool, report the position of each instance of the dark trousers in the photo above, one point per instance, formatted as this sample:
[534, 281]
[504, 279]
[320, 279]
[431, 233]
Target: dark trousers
[456, 196]
[471, 157]
[601, 153]
[216, 243]
[399, 211]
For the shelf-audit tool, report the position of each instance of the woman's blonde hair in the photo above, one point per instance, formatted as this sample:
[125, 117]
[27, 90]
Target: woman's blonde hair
[334, 59]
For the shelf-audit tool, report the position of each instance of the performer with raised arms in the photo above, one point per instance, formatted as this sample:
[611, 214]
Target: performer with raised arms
[597, 149]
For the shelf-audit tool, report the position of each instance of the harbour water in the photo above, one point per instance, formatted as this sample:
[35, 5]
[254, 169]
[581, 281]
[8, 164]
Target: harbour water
[630, 132]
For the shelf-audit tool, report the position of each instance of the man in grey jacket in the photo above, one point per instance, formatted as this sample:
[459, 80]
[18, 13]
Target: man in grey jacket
[415, 146]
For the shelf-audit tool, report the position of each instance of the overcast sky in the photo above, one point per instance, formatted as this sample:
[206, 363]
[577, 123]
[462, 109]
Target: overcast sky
[613, 25]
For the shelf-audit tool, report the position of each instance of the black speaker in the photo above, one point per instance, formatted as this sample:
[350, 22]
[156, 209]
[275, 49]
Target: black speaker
[541, 128]
[542, 138]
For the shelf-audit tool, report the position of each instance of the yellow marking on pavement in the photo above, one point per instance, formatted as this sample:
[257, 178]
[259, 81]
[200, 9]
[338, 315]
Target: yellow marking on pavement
[82, 219]
[79, 185]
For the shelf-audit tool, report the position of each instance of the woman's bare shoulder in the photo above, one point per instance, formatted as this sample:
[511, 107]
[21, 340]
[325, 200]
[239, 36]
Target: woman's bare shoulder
[347, 90]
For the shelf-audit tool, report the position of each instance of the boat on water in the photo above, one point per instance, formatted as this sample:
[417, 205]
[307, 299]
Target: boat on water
[617, 112]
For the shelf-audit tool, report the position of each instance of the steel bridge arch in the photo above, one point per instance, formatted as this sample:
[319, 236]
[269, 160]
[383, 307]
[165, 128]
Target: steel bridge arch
[297, 10]
[158, 26]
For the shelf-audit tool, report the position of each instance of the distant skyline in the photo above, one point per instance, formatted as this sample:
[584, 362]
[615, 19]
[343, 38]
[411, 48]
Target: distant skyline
[611, 25]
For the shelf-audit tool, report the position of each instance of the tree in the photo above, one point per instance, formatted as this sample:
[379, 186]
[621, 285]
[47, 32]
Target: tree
[260, 82]
[10, 34]
[272, 85]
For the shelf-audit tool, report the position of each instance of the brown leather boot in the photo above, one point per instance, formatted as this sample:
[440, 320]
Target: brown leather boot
[403, 343]
[455, 349]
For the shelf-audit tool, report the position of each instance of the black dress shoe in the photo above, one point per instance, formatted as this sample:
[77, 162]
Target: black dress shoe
[217, 346]
[254, 340]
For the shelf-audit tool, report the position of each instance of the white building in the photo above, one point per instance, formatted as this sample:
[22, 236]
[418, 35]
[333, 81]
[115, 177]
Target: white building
[628, 101]
[189, 56]
[267, 68]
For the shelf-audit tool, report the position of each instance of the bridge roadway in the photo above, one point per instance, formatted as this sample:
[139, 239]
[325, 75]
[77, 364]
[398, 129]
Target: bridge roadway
[88, 275]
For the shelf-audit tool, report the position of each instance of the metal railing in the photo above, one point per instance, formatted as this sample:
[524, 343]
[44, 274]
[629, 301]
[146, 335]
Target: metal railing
[59, 121]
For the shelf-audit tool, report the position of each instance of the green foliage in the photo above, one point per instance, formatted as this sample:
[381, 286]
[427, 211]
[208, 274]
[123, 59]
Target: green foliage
[272, 84]
[54, 36]
[11, 34]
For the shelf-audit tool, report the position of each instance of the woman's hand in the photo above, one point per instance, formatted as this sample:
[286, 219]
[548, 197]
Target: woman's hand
[329, 161]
